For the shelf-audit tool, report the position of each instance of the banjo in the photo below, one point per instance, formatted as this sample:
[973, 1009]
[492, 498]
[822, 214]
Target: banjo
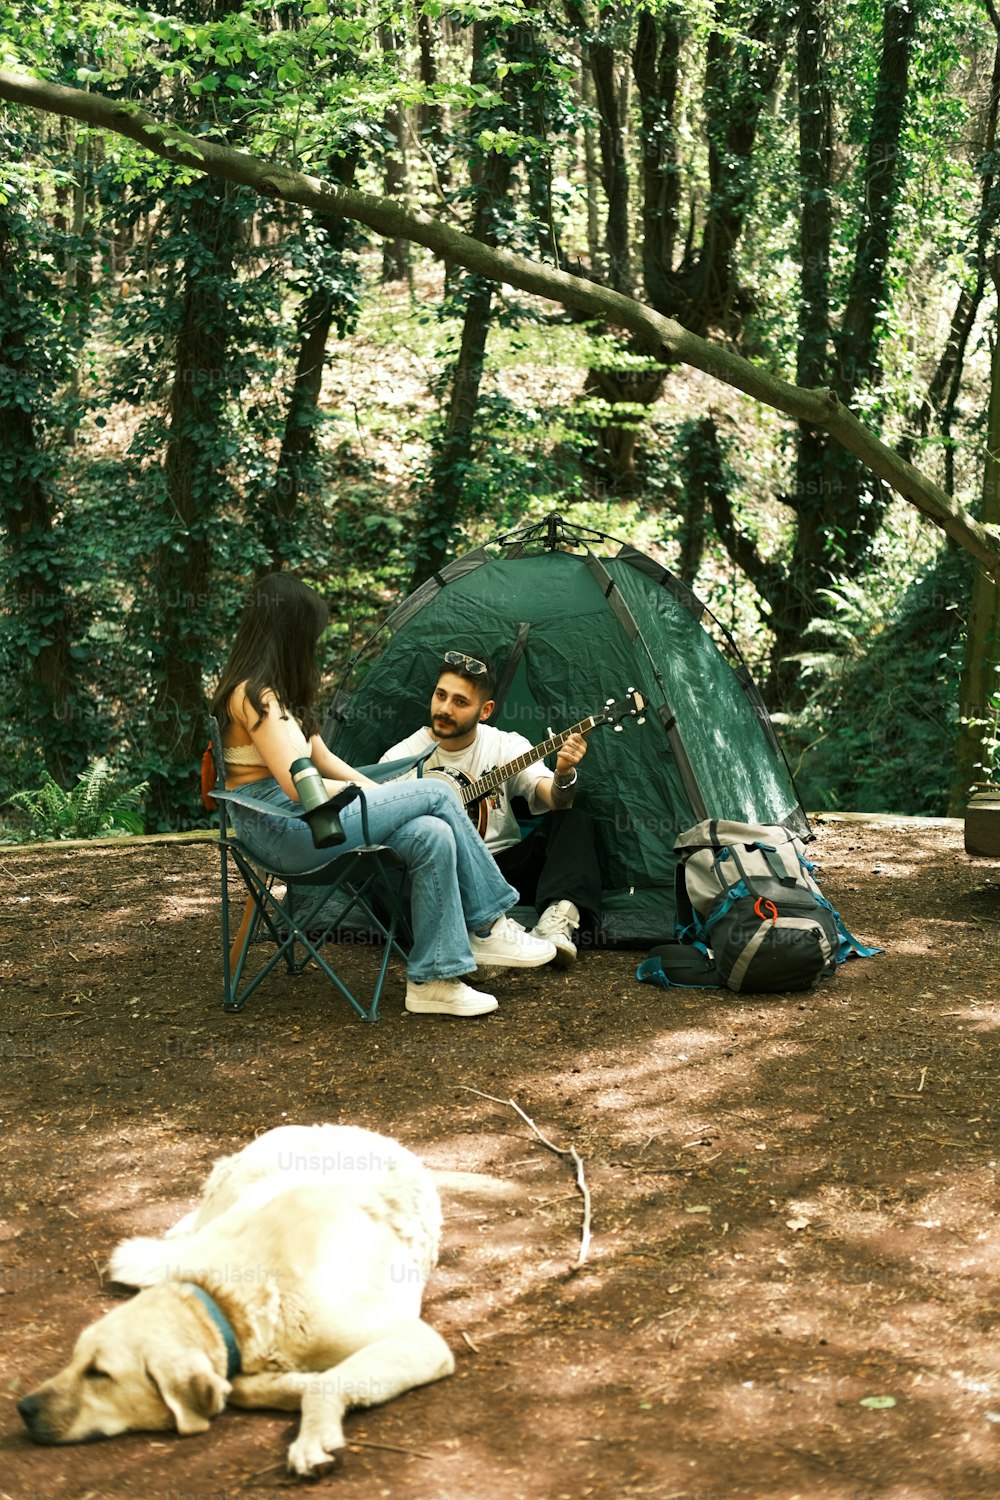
[474, 794]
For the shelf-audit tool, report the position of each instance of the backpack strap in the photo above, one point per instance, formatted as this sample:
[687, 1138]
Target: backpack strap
[850, 947]
[774, 862]
[685, 924]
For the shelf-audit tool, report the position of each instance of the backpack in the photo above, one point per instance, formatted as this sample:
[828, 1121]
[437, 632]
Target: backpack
[682, 965]
[747, 892]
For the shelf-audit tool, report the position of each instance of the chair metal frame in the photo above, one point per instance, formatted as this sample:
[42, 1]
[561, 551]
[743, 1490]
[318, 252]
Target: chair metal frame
[363, 875]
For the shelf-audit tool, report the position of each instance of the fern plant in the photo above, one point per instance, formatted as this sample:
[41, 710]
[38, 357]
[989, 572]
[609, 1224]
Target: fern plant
[99, 803]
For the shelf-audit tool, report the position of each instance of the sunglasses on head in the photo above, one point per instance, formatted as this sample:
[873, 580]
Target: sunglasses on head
[473, 666]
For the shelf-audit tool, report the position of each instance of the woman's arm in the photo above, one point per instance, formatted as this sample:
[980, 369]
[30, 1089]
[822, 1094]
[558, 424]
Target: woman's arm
[281, 741]
[330, 765]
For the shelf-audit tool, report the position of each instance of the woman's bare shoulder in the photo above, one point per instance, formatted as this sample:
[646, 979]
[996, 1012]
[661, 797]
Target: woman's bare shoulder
[245, 713]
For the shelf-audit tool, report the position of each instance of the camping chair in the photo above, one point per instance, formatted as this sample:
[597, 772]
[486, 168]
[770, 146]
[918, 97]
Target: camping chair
[366, 883]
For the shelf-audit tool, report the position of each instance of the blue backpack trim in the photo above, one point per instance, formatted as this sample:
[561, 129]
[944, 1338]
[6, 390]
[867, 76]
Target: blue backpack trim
[700, 933]
[676, 965]
[850, 947]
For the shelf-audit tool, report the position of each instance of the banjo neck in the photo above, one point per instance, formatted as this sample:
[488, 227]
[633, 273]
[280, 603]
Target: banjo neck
[491, 781]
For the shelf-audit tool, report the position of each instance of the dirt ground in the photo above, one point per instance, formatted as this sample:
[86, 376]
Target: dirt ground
[790, 1289]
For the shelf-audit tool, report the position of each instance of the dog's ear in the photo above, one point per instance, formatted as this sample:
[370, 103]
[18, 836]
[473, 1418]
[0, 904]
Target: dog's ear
[191, 1389]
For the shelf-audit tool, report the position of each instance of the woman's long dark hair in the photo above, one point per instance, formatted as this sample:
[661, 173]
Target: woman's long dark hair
[275, 649]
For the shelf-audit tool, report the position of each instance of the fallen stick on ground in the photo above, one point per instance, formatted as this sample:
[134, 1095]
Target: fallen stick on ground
[581, 1181]
[391, 1448]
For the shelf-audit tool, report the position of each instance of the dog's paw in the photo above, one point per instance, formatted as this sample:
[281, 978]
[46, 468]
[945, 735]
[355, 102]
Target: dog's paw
[315, 1453]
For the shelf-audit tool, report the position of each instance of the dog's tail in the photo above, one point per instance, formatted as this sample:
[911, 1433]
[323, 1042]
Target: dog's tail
[140, 1262]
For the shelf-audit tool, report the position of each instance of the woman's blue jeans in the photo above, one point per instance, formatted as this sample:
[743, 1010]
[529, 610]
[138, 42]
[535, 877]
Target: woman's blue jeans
[454, 882]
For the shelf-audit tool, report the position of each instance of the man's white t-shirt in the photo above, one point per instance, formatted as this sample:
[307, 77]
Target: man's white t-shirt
[491, 748]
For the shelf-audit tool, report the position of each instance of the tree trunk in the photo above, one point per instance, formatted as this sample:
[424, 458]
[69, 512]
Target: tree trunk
[614, 162]
[298, 440]
[837, 505]
[857, 343]
[320, 311]
[599, 60]
[42, 697]
[656, 69]
[614, 456]
[697, 478]
[617, 442]
[451, 461]
[742, 63]
[944, 385]
[595, 250]
[815, 204]
[449, 490]
[703, 291]
[979, 689]
[395, 252]
[78, 277]
[449, 473]
[792, 604]
[430, 116]
[195, 482]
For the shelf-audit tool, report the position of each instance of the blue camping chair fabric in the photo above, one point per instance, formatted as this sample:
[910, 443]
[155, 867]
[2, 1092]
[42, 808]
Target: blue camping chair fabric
[364, 885]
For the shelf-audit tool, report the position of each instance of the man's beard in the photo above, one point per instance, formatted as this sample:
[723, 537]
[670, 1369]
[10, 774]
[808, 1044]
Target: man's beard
[451, 729]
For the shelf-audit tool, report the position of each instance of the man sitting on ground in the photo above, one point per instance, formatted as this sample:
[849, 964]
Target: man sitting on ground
[555, 867]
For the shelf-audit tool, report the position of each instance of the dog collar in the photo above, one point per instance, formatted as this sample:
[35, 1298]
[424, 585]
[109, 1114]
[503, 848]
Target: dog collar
[233, 1362]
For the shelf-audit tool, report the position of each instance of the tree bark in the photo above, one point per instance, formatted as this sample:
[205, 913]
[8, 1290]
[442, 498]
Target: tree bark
[820, 408]
[838, 509]
[595, 247]
[600, 61]
[944, 385]
[702, 290]
[739, 80]
[614, 163]
[694, 506]
[656, 69]
[194, 481]
[319, 312]
[430, 116]
[857, 342]
[395, 253]
[815, 202]
[979, 687]
[613, 459]
[42, 697]
[449, 473]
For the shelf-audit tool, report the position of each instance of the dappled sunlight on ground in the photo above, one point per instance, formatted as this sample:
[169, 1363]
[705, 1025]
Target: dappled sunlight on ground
[792, 1198]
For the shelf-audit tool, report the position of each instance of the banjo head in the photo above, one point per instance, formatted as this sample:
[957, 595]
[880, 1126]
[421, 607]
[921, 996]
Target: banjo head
[479, 810]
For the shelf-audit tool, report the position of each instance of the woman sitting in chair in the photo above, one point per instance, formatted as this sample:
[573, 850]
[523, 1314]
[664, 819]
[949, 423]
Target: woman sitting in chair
[458, 898]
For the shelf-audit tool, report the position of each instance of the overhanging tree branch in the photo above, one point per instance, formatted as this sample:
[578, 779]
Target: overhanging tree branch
[819, 408]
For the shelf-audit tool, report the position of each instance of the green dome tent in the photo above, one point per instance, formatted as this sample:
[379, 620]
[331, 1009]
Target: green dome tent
[569, 629]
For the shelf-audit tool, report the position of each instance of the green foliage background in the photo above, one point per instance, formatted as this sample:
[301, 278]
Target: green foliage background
[102, 249]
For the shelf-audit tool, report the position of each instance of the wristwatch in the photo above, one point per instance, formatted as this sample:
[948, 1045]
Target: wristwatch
[565, 782]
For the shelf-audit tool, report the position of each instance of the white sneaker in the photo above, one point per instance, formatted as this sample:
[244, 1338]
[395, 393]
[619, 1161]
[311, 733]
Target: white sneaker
[447, 997]
[556, 925]
[508, 946]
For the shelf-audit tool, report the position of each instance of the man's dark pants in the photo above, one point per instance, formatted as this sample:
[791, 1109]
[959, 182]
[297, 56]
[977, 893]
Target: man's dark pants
[557, 861]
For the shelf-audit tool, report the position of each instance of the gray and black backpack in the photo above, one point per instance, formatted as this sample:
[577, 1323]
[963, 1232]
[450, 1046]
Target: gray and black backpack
[748, 894]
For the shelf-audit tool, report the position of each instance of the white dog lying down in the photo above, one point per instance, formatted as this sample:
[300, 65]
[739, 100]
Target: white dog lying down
[295, 1284]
